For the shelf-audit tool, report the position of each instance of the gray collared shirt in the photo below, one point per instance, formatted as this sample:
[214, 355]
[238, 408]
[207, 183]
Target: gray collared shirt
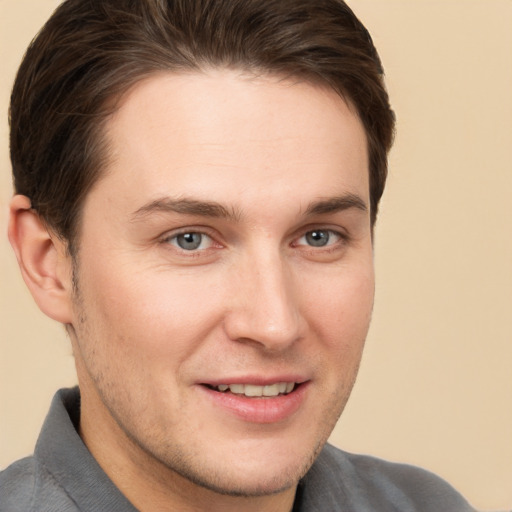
[62, 476]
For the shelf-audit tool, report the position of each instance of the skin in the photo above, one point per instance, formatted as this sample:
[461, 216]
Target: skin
[150, 322]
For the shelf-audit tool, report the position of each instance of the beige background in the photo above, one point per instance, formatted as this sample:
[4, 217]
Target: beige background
[435, 387]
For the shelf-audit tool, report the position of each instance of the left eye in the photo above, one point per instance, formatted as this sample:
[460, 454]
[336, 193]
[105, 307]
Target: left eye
[319, 238]
[191, 241]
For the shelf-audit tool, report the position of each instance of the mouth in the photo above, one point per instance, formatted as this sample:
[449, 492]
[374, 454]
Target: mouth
[254, 391]
[258, 402]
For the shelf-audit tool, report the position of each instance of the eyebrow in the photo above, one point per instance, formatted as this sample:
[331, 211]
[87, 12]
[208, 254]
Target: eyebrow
[337, 204]
[216, 210]
[186, 207]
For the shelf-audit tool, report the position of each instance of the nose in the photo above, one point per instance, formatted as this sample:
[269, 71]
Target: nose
[265, 304]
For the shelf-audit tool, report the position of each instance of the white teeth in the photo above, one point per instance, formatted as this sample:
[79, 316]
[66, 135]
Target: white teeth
[251, 390]
[237, 388]
[272, 390]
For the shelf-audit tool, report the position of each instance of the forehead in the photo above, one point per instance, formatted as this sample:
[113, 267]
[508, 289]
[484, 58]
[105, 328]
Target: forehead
[235, 134]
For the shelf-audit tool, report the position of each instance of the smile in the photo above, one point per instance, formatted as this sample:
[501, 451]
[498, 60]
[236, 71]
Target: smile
[260, 402]
[253, 391]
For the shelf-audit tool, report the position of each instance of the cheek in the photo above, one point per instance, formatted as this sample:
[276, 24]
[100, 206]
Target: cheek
[340, 314]
[342, 307]
[152, 314]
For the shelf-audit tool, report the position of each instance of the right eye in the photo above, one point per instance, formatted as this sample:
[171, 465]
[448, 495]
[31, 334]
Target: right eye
[191, 241]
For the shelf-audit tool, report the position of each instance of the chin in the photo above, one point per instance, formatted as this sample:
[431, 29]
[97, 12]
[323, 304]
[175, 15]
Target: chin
[263, 473]
[248, 485]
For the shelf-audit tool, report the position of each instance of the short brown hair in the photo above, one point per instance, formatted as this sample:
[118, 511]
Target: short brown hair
[91, 51]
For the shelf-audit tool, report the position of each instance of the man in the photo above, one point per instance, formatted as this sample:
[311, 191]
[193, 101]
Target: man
[197, 186]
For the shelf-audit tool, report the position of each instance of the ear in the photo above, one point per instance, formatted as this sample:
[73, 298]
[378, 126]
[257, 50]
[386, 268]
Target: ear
[44, 262]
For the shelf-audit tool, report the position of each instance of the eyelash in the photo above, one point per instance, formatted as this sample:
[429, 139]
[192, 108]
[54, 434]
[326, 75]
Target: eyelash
[341, 240]
[189, 252]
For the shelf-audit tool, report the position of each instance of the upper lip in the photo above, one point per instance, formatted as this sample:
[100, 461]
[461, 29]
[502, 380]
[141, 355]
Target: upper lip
[255, 380]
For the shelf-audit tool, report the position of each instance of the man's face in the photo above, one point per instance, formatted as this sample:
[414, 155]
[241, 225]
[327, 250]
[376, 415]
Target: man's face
[227, 244]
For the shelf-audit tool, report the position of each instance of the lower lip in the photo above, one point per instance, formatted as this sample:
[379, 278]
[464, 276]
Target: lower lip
[259, 410]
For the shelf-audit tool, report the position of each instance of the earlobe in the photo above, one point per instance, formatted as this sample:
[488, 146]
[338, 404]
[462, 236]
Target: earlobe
[44, 263]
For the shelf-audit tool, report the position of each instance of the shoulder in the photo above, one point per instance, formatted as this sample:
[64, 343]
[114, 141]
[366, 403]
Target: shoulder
[25, 486]
[17, 486]
[367, 483]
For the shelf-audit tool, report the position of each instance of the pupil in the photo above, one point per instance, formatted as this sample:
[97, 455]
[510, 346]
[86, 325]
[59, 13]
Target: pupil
[189, 241]
[317, 238]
